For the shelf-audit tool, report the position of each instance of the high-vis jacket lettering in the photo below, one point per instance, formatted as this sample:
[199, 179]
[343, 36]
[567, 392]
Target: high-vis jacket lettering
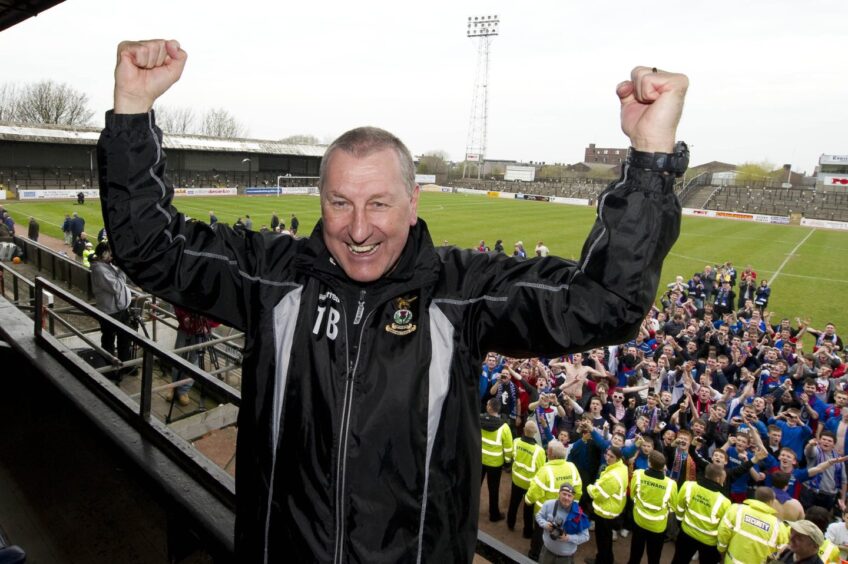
[528, 458]
[749, 533]
[700, 506]
[653, 498]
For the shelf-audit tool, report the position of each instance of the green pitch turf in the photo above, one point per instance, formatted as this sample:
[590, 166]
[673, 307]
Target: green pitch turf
[810, 274]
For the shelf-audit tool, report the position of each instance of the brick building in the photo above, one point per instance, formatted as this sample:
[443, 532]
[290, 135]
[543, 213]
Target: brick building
[604, 156]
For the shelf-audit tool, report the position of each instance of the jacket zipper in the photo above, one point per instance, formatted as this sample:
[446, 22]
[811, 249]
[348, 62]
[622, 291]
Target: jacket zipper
[347, 404]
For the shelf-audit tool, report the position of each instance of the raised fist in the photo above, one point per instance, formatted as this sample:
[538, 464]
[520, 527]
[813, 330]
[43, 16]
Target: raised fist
[144, 71]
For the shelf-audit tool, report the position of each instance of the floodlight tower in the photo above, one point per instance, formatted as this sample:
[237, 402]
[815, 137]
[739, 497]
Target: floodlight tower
[483, 29]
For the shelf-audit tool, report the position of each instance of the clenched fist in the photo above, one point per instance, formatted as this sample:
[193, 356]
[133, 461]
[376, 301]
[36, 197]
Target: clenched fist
[145, 70]
[651, 104]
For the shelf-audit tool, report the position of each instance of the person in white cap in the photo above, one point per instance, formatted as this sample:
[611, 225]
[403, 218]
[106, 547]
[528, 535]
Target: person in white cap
[805, 538]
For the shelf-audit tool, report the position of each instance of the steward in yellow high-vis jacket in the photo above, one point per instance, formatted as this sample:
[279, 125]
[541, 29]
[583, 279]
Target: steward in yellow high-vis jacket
[529, 457]
[700, 506]
[608, 495]
[654, 495]
[750, 532]
[497, 451]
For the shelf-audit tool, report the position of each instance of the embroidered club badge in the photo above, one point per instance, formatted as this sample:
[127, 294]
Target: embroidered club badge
[402, 319]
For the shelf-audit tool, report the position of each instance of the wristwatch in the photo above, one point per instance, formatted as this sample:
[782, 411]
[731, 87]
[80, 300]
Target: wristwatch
[674, 163]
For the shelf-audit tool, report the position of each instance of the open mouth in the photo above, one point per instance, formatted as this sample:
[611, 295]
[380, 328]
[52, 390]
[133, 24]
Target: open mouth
[363, 249]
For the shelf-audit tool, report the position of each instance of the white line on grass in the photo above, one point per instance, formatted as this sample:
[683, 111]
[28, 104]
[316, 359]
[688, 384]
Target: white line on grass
[790, 255]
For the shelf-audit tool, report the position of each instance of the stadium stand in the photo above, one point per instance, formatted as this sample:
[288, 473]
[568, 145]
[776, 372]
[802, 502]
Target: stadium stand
[779, 201]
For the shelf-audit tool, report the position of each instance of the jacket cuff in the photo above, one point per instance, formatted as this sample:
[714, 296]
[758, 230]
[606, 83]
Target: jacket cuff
[129, 121]
[648, 180]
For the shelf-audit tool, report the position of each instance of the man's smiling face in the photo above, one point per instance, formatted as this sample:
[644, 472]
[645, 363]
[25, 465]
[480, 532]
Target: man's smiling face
[367, 212]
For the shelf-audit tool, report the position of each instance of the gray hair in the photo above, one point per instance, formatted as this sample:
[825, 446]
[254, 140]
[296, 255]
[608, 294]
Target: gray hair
[556, 450]
[365, 141]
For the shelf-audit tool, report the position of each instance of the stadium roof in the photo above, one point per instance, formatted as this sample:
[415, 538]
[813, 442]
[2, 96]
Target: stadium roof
[72, 135]
[15, 11]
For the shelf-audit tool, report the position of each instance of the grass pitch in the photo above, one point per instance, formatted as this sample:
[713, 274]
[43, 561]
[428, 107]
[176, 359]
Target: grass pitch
[803, 262]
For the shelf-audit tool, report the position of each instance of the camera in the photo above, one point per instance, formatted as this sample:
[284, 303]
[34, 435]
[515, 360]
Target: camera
[556, 533]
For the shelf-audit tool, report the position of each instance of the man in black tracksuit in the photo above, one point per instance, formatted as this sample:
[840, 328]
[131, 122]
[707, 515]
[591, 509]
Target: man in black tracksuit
[359, 431]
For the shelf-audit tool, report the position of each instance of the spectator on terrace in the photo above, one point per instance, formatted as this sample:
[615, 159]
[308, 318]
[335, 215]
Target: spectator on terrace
[79, 244]
[724, 298]
[7, 220]
[678, 285]
[519, 250]
[67, 230]
[113, 297]
[827, 336]
[763, 294]
[32, 231]
[499, 248]
[77, 227]
[696, 291]
[541, 249]
[709, 280]
[482, 247]
[747, 287]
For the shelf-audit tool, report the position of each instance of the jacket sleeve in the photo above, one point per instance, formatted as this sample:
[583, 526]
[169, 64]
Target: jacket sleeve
[535, 492]
[603, 487]
[579, 538]
[725, 528]
[507, 443]
[550, 306]
[681, 503]
[185, 262]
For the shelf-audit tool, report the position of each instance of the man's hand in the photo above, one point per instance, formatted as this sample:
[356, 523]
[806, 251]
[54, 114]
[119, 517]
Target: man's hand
[651, 104]
[145, 70]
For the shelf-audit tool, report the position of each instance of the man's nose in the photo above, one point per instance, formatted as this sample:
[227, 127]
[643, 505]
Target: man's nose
[360, 228]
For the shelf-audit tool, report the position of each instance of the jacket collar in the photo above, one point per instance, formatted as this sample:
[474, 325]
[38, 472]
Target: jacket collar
[710, 485]
[654, 474]
[760, 506]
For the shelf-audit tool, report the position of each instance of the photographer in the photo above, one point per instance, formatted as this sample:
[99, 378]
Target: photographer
[113, 297]
[506, 393]
[565, 527]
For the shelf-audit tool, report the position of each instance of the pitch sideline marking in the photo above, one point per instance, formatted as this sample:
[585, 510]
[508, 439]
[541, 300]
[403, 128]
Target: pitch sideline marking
[790, 255]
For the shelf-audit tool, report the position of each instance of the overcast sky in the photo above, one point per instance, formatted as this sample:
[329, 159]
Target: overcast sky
[768, 78]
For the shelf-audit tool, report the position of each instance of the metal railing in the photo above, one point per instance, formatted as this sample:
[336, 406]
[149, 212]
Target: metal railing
[59, 268]
[10, 277]
[138, 412]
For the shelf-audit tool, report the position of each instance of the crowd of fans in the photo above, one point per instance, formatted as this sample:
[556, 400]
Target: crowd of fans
[714, 415]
